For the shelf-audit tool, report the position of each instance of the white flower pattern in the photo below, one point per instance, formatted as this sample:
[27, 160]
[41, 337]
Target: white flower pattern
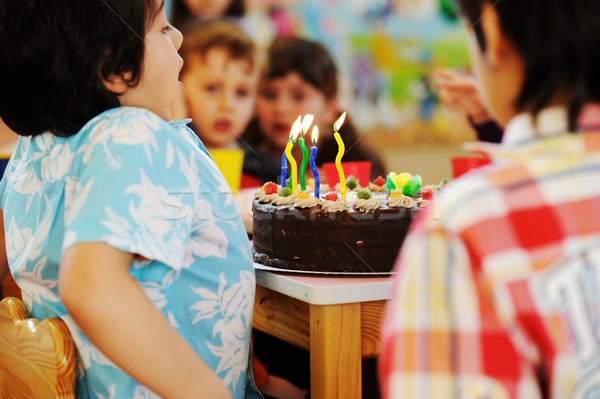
[233, 304]
[141, 185]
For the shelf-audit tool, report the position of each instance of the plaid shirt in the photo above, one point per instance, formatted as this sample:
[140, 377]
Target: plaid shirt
[498, 287]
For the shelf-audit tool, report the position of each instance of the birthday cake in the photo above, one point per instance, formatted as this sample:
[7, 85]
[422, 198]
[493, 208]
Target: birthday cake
[359, 234]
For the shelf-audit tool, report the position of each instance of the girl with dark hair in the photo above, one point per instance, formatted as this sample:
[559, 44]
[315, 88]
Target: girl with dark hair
[300, 78]
[496, 290]
[109, 212]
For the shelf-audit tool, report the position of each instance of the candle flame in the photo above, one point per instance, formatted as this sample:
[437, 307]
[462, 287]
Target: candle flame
[338, 124]
[306, 122]
[315, 134]
[296, 129]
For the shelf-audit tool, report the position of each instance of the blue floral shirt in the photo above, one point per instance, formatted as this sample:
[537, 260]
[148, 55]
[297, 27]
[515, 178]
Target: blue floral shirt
[145, 186]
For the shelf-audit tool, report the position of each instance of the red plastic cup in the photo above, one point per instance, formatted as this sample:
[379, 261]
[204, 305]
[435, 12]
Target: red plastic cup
[359, 169]
[461, 165]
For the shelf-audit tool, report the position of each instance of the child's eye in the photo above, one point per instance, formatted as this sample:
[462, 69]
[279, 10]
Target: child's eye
[298, 96]
[167, 29]
[211, 88]
[242, 93]
[268, 94]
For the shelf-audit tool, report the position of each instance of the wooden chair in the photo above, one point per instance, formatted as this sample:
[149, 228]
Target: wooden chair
[37, 359]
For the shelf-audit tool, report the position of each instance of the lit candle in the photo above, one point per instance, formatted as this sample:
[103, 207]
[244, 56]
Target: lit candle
[306, 122]
[296, 128]
[283, 169]
[338, 159]
[284, 156]
[313, 158]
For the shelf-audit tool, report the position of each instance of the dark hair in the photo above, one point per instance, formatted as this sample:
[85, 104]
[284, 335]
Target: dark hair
[560, 48]
[181, 16]
[55, 54]
[309, 59]
[207, 35]
[313, 62]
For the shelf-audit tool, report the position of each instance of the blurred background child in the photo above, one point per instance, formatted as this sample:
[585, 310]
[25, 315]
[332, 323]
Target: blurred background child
[220, 76]
[184, 13]
[300, 78]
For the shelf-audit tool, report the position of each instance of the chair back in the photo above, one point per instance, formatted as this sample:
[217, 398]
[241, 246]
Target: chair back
[37, 359]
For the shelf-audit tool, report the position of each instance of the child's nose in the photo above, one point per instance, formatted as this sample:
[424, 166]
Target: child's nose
[283, 106]
[177, 37]
[227, 100]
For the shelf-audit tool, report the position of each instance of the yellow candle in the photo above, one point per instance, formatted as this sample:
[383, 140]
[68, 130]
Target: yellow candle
[296, 129]
[338, 159]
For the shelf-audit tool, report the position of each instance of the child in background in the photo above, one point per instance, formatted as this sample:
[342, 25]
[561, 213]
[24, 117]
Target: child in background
[108, 221]
[220, 75]
[186, 13]
[496, 291]
[300, 78]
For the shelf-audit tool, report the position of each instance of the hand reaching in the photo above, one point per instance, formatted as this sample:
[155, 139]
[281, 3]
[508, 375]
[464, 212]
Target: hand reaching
[459, 92]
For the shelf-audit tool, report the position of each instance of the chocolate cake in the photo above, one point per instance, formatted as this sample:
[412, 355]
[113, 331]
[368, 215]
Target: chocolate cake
[313, 239]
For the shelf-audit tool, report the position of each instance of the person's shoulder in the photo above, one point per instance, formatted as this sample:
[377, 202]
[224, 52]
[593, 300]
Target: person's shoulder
[131, 126]
[121, 120]
[472, 198]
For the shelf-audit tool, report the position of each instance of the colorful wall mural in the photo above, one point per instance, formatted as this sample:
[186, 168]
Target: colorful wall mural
[385, 50]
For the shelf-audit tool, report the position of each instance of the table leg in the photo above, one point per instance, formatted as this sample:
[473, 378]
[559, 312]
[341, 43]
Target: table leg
[335, 351]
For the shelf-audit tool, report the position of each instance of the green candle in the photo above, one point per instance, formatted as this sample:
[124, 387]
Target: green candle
[307, 120]
[304, 163]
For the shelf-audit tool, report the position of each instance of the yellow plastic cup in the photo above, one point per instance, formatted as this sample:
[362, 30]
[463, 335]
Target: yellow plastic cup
[230, 164]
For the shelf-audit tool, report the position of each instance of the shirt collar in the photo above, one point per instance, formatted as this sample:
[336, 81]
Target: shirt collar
[179, 122]
[524, 128]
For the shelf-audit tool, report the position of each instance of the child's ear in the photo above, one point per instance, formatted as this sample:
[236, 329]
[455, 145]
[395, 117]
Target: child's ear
[116, 84]
[497, 47]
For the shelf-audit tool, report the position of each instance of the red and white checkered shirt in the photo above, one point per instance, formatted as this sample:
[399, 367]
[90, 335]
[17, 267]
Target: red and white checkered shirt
[497, 293]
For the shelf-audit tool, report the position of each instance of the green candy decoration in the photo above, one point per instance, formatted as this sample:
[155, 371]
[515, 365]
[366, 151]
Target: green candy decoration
[285, 192]
[351, 182]
[412, 186]
[443, 182]
[389, 184]
[365, 193]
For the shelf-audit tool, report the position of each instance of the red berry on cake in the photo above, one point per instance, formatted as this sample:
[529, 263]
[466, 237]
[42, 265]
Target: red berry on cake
[331, 197]
[380, 181]
[269, 188]
[427, 193]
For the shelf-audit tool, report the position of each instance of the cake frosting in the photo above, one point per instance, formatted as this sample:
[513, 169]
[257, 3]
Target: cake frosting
[361, 233]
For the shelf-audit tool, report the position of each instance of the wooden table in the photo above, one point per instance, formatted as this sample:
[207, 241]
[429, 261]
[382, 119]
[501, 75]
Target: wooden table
[338, 319]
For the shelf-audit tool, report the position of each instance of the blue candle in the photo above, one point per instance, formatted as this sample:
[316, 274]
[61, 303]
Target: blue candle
[313, 158]
[283, 169]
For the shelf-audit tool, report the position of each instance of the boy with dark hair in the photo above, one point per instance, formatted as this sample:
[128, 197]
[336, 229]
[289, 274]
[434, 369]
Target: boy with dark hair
[497, 295]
